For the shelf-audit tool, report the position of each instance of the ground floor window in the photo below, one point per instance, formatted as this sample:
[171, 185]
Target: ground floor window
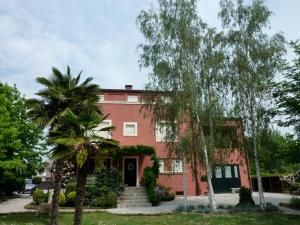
[170, 166]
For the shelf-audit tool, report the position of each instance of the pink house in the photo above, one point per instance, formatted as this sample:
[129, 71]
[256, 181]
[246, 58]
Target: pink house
[132, 128]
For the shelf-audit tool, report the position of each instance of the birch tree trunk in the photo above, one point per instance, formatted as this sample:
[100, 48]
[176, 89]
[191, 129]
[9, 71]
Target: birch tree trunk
[209, 175]
[184, 181]
[262, 202]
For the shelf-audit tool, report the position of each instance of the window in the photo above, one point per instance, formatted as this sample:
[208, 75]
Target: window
[103, 124]
[218, 172]
[161, 166]
[132, 98]
[236, 173]
[101, 98]
[170, 166]
[228, 172]
[130, 129]
[177, 166]
[161, 132]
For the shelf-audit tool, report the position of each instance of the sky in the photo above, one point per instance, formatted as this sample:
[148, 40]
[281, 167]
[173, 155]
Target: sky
[99, 37]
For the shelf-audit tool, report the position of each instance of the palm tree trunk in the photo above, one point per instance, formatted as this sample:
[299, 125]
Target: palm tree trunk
[80, 189]
[59, 164]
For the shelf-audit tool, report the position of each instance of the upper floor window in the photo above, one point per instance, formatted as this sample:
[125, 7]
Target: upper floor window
[130, 129]
[103, 124]
[132, 98]
[163, 133]
[101, 98]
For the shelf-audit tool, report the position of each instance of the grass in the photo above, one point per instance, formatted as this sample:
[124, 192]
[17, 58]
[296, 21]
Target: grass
[100, 218]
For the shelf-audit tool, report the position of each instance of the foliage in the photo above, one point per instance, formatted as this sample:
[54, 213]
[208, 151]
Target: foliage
[108, 200]
[38, 196]
[21, 144]
[245, 197]
[136, 149]
[71, 198]
[71, 186]
[295, 187]
[287, 92]
[203, 178]
[62, 199]
[165, 194]
[278, 154]
[110, 178]
[295, 203]
[150, 185]
[155, 165]
[36, 180]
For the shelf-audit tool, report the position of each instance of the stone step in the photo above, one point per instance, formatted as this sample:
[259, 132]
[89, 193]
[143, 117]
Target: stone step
[124, 205]
[133, 201]
[134, 194]
[145, 198]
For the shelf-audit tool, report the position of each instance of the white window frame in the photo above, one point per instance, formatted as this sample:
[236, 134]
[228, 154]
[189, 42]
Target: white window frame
[130, 123]
[236, 172]
[101, 98]
[132, 98]
[104, 134]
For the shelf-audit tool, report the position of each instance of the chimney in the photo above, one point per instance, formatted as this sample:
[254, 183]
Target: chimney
[128, 87]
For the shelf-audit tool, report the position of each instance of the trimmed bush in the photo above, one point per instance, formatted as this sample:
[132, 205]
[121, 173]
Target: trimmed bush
[36, 180]
[245, 197]
[62, 199]
[38, 196]
[271, 208]
[71, 186]
[106, 201]
[155, 165]
[165, 193]
[71, 198]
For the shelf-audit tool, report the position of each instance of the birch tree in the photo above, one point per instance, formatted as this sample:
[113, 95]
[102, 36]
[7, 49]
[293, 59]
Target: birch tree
[175, 38]
[255, 59]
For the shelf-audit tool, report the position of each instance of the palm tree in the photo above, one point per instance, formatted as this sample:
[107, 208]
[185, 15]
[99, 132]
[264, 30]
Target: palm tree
[80, 136]
[61, 91]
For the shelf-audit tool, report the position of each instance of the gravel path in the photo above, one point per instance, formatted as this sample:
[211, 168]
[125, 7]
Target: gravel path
[16, 204]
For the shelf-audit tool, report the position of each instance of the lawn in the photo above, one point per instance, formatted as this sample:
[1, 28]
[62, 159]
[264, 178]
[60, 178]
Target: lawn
[100, 218]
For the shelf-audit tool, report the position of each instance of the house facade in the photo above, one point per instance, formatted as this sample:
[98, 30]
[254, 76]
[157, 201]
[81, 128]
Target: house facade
[132, 127]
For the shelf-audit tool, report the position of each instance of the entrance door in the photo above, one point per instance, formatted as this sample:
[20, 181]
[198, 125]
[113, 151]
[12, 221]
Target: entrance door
[226, 177]
[130, 165]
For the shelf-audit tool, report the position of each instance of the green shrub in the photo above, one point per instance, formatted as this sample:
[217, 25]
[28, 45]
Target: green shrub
[245, 197]
[295, 203]
[71, 186]
[165, 193]
[71, 198]
[294, 187]
[38, 196]
[110, 178]
[106, 201]
[62, 199]
[155, 165]
[36, 180]
[91, 191]
[271, 208]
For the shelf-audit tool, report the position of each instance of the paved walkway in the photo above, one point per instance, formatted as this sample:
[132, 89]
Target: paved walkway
[17, 204]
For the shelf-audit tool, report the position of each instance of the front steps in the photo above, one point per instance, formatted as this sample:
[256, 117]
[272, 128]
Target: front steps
[134, 197]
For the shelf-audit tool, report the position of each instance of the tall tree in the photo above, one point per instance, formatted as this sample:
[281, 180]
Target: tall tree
[255, 59]
[76, 132]
[287, 93]
[21, 146]
[61, 91]
[184, 58]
